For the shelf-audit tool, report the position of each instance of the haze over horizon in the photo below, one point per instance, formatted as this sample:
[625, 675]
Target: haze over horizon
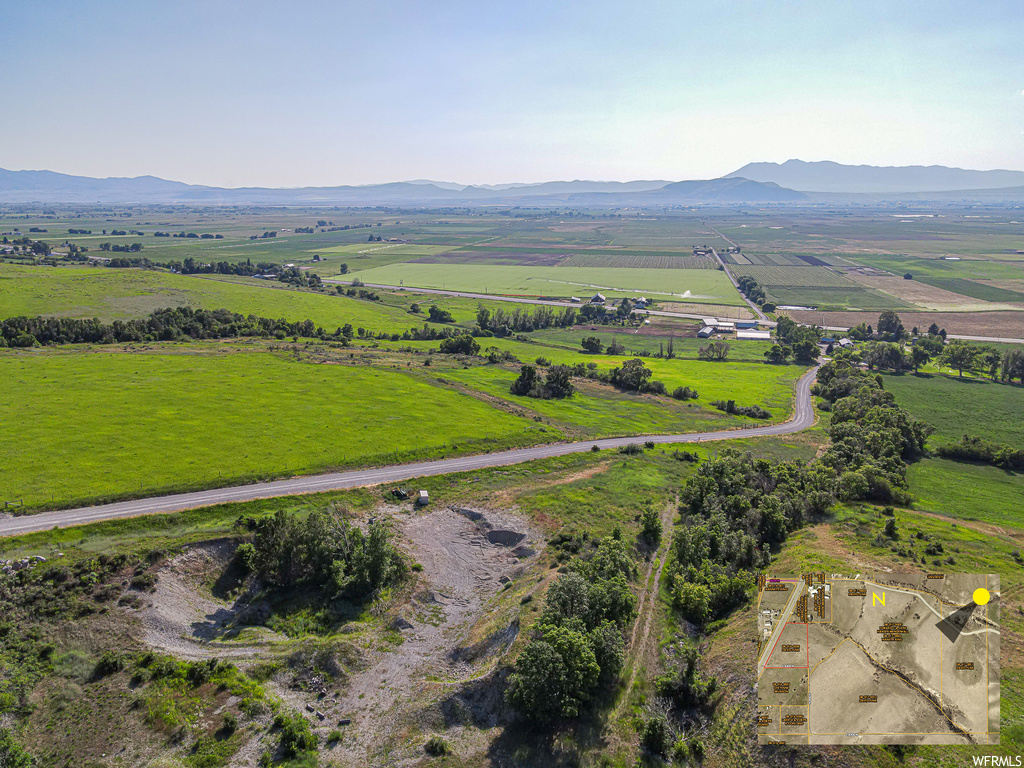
[315, 94]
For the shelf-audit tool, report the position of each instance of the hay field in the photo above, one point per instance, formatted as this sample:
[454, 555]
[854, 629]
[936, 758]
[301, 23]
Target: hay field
[101, 422]
[692, 285]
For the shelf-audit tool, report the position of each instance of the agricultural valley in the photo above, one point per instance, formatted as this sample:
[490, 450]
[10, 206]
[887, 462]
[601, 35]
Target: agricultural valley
[486, 484]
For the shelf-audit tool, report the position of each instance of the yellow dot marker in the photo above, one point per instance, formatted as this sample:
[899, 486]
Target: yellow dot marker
[981, 596]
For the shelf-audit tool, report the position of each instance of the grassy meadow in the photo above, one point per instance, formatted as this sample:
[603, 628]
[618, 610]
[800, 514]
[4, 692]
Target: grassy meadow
[967, 491]
[958, 407]
[97, 423]
[121, 294]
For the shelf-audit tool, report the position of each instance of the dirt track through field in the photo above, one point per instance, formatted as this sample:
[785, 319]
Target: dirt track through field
[642, 650]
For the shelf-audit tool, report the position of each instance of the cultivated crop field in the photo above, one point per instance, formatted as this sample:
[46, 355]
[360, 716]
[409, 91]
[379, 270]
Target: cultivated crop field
[795, 277]
[993, 324]
[641, 261]
[692, 285]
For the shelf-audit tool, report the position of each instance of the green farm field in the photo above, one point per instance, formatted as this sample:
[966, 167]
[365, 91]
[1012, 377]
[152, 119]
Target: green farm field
[599, 411]
[692, 285]
[101, 422]
[958, 407]
[817, 287]
[121, 294]
[928, 269]
[966, 491]
[748, 383]
[94, 424]
[655, 342]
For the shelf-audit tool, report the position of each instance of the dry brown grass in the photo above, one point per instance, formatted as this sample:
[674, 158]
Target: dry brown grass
[921, 294]
[708, 310]
[1004, 324]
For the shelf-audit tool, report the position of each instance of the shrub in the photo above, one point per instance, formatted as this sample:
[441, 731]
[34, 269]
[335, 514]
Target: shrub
[684, 393]
[109, 663]
[656, 735]
[230, 722]
[459, 345]
[144, 582]
[436, 746]
[687, 456]
[650, 527]
[753, 411]
[296, 735]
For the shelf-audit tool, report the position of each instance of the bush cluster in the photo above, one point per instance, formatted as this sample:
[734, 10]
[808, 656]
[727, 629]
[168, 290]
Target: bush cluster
[577, 645]
[753, 411]
[322, 551]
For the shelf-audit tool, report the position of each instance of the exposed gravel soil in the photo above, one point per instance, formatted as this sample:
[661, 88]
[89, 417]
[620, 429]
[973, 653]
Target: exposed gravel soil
[467, 556]
[462, 570]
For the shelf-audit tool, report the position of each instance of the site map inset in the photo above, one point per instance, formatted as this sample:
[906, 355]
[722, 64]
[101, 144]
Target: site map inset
[878, 658]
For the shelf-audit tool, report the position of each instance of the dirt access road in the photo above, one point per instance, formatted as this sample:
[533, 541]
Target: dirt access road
[803, 418]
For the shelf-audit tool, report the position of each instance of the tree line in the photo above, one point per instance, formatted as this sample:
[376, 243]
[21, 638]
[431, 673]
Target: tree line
[736, 509]
[750, 288]
[504, 323]
[631, 376]
[173, 324]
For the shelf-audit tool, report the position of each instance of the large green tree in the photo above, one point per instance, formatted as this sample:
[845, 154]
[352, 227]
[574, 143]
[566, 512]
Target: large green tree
[960, 356]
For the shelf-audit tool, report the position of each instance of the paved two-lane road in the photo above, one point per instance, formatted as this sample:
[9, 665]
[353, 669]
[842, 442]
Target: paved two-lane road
[803, 417]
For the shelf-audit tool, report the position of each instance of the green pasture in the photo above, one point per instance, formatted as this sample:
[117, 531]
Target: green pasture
[111, 294]
[599, 410]
[958, 407]
[968, 491]
[770, 386]
[697, 285]
[96, 423]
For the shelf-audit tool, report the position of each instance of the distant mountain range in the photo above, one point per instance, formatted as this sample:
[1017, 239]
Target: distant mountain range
[50, 187]
[794, 181]
[827, 176]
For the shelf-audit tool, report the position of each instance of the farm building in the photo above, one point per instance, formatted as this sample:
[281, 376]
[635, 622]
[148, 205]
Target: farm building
[750, 325]
[705, 332]
[709, 321]
[754, 335]
[575, 299]
[725, 326]
[845, 343]
[598, 299]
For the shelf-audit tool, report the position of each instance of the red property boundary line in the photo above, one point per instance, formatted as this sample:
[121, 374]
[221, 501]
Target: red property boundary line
[807, 647]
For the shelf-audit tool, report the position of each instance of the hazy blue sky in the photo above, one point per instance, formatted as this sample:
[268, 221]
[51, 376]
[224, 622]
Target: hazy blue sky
[288, 94]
